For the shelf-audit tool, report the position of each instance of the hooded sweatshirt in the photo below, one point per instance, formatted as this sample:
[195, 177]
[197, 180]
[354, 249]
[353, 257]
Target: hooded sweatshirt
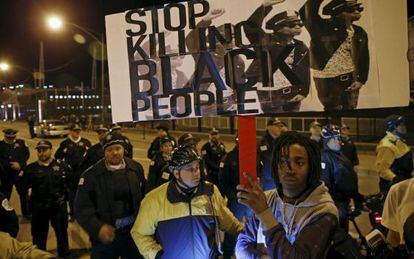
[300, 230]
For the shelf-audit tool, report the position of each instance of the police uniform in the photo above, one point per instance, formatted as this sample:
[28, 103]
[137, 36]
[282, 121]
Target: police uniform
[159, 168]
[95, 153]
[212, 153]
[274, 90]
[264, 171]
[155, 144]
[48, 201]
[14, 152]
[339, 176]
[72, 153]
[110, 196]
[179, 222]
[349, 150]
[9, 222]
[229, 178]
[394, 162]
[92, 156]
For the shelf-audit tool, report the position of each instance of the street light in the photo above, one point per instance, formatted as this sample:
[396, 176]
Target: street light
[56, 23]
[4, 66]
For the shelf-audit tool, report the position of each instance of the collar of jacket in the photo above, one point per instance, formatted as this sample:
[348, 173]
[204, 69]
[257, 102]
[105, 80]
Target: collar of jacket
[174, 196]
[101, 166]
[393, 138]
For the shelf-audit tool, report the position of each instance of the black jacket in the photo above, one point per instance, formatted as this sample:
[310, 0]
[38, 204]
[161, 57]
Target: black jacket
[92, 156]
[264, 156]
[327, 35]
[349, 150]
[158, 172]
[48, 183]
[94, 200]
[9, 222]
[72, 153]
[16, 152]
[129, 149]
[229, 174]
[212, 155]
[273, 44]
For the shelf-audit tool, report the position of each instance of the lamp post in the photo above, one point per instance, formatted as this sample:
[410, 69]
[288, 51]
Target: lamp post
[57, 23]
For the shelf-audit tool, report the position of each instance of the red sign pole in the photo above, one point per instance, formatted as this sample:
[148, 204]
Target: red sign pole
[247, 147]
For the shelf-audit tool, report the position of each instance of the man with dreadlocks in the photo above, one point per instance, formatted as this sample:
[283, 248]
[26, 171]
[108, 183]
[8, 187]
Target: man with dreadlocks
[183, 218]
[298, 218]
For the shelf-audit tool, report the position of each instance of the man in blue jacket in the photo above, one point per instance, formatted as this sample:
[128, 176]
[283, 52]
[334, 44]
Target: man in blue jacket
[183, 218]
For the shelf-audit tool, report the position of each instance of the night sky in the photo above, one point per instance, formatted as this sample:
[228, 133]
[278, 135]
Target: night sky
[23, 27]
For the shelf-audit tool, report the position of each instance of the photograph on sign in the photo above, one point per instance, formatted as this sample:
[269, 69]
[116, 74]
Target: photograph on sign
[212, 58]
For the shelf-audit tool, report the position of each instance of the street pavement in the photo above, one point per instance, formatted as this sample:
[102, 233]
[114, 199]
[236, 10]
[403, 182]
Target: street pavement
[78, 239]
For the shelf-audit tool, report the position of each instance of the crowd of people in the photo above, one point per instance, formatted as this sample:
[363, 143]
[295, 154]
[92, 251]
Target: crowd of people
[191, 204]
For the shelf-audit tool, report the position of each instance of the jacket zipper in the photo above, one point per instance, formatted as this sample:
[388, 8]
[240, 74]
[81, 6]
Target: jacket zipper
[192, 228]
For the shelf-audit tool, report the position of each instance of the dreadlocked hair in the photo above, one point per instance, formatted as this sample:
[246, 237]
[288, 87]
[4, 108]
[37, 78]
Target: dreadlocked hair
[281, 147]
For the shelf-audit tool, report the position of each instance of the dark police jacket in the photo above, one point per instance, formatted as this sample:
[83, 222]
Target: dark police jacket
[72, 153]
[16, 152]
[229, 175]
[94, 202]
[349, 150]
[129, 149]
[158, 172]
[272, 43]
[264, 150]
[48, 183]
[92, 156]
[212, 155]
[155, 146]
[327, 35]
[9, 222]
[339, 175]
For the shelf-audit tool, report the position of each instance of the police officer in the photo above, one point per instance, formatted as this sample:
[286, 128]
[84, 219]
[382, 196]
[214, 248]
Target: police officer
[72, 150]
[129, 149]
[315, 130]
[212, 153]
[274, 129]
[47, 180]
[394, 162]
[9, 222]
[187, 139]
[339, 175]
[228, 181]
[108, 199]
[13, 158]
[183, 218]
[348, 146]
[158, 170]
[154, 148]
[96, 152]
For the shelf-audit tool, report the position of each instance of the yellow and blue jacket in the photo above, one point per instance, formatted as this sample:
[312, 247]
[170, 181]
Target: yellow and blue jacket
[175, 226]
